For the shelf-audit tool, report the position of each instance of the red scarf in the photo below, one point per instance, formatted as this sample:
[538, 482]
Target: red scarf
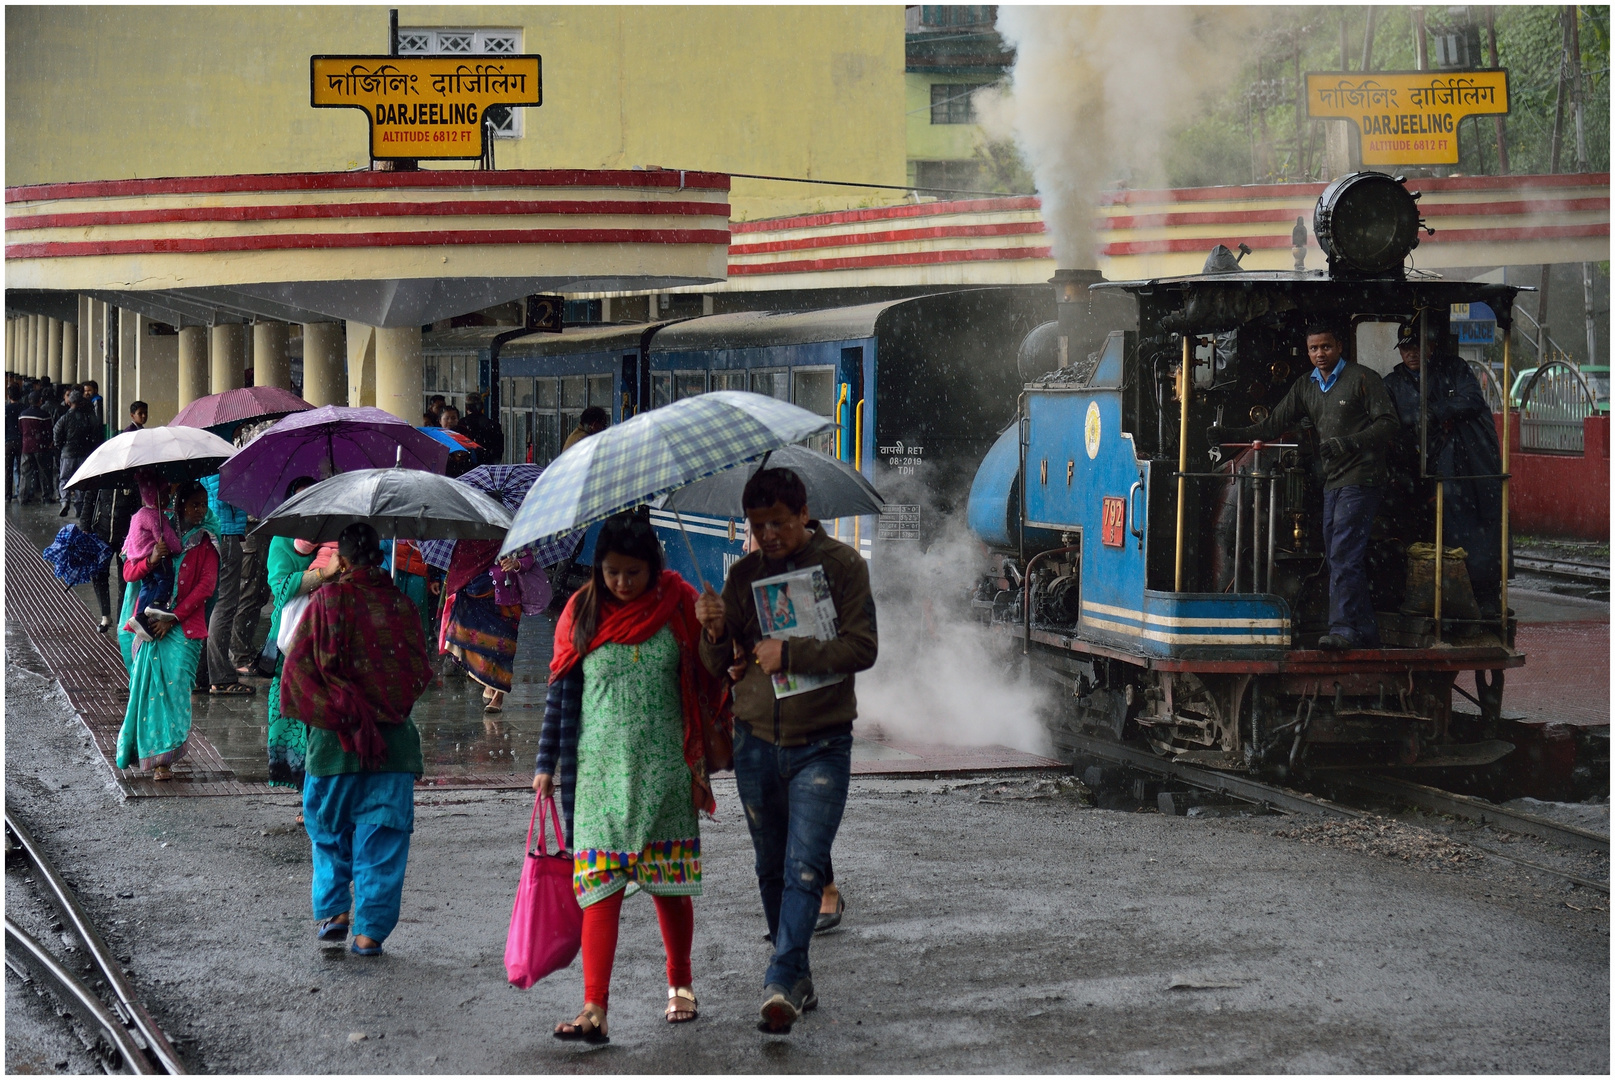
[704, 697]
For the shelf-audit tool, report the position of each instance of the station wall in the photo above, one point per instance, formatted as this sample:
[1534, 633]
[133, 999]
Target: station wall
[112, 92]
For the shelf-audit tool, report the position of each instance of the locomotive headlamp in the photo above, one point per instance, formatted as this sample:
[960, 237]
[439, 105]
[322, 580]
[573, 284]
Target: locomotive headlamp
[1367, 223]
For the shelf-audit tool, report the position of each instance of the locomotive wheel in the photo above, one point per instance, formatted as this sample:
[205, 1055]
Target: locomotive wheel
[1189, 720]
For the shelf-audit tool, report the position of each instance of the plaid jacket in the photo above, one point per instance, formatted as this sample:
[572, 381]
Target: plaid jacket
[558, 740]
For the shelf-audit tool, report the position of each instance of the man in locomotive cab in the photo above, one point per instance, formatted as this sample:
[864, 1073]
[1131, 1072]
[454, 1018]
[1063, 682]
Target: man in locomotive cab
[1461, 441]
[1355, 421]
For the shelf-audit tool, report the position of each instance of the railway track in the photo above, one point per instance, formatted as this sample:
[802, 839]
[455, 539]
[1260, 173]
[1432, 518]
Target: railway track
[129, 1039]
[1578, 571]
[1291, 801]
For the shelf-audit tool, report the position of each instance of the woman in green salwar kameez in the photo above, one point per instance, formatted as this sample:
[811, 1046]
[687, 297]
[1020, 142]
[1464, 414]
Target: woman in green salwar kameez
[626, 726]
[289, 576]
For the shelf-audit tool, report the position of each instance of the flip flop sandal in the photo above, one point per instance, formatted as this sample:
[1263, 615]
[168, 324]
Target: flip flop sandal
[595, 1032]
[676, 996]
[232, 690]
[331, 930]
[162, 774]
[491, 709]
[364, 950]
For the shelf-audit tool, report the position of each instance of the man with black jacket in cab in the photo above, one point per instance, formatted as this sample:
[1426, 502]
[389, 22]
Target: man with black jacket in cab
[1355, 422]
[793, 754]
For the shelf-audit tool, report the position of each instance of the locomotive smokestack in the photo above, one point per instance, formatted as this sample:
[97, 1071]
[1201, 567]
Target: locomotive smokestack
[1079, 334]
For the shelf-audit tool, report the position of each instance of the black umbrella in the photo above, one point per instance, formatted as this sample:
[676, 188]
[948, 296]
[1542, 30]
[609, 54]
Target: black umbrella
[401, 504]
[834, 488]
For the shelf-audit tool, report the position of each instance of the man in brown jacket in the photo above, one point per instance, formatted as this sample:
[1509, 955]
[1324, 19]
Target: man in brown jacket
[793, 755]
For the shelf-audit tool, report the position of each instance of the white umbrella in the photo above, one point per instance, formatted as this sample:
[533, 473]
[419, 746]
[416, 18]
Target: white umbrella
[173, 453]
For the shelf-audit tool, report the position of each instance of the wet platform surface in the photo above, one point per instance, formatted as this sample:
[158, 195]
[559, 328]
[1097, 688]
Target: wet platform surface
[462, 746]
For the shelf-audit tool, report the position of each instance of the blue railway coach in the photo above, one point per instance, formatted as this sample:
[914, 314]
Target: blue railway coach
[917, 389]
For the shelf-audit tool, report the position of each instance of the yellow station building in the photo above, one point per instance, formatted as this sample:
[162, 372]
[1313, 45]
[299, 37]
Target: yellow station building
[165, 171]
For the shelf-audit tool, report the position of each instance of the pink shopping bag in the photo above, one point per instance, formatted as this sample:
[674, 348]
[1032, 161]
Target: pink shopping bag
[546, 925]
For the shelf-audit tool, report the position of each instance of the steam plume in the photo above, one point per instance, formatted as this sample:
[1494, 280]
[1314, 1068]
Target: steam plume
[1094, 93]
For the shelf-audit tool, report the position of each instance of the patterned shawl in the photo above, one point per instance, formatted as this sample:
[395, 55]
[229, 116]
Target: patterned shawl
[357, 660]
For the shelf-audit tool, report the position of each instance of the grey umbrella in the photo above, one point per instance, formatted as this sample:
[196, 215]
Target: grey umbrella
[834, 488]
[401, 504]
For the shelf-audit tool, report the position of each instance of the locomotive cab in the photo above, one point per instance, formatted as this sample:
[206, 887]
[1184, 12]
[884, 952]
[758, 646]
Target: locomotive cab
[1178, 590]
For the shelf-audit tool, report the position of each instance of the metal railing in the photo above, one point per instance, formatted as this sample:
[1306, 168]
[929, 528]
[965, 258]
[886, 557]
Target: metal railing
[1552, 407]
[1488, 384]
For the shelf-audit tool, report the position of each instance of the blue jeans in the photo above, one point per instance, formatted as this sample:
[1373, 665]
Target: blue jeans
[793, 797]
[1348, 514]
[359, 825]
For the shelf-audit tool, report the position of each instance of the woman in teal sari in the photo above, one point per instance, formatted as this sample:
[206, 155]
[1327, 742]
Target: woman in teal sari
[157, 723]
[289, 577]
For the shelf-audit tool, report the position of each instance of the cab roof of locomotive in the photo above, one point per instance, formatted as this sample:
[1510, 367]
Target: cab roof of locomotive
[1316, 290]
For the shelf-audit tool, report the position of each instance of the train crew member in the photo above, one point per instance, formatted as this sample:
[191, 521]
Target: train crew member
[1355, 422]
[356, 664]
[793, 755]
[593, 421]
[1462, 441]
[627, 723]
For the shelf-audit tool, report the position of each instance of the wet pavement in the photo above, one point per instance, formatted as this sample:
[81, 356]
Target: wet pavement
[462, 745]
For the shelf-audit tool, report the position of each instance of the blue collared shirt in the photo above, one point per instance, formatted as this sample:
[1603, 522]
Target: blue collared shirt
[1327, 382]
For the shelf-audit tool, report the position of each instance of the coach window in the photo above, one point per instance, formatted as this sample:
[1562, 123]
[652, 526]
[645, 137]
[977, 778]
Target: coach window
[661, 389]
[814, 390]
[600, 393]
[546, 420]
[728, 380]
[776, 384]
[688, 384]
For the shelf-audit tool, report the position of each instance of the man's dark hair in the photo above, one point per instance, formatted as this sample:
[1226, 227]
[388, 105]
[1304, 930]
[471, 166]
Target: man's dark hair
[473, 405]
[770, 486]
[138, 406]
[1330, 327]
[360, 545]
[92, 385]
[13, 393]
[435, 399]
[595, 416]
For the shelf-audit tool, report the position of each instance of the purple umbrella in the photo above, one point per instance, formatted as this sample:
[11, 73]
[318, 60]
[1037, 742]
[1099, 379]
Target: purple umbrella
[321, 443]
[238, 406]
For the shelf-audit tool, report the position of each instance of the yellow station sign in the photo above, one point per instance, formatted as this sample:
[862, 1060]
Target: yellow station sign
[424, 106]
[1407, 117]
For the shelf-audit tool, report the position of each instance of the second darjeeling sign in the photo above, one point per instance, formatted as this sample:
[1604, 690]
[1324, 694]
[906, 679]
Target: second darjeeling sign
[425, 106]
[1407, 117]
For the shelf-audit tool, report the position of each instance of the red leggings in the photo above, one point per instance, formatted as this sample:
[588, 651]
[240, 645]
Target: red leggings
[676, 914]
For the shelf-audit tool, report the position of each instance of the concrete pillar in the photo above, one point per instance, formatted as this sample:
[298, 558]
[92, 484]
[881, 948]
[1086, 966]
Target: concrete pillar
[86, 340]
[11, 346]
[361, 364]
[70, 354]
[193, 368]
[324, 382]
[227, 354]
[41, 349]
[29, 337]
[271, 366]
[53, 350]
[159, 370]
[399, 372]
[129, 328]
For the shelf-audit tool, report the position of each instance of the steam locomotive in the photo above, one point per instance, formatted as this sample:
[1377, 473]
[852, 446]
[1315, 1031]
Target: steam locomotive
[1177, 596]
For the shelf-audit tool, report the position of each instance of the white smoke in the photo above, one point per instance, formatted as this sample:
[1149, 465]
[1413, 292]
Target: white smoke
[1095, 92]
[941, 677]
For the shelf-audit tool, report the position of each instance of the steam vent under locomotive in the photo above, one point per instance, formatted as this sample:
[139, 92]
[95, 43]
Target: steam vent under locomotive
[1178, 590]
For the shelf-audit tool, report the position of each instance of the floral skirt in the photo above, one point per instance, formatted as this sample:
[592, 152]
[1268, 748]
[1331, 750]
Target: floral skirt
[481, 637]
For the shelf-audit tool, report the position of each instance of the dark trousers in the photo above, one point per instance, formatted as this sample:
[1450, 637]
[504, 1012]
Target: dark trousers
[221, 624]
[794, 797]
[38, 476]
[254, 594]
[13, 466]
[1348, 514]
[67, 465]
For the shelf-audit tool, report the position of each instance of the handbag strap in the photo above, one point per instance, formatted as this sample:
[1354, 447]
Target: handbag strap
[543, 837]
